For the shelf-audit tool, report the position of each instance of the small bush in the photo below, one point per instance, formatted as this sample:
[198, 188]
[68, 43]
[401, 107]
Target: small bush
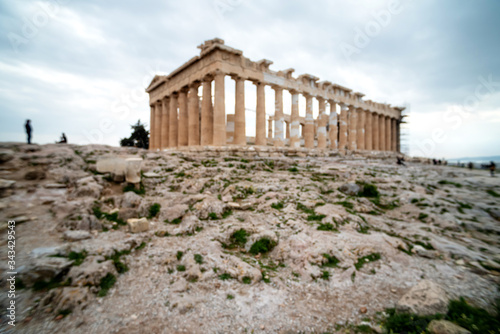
[477, 320]
[332, 261]
[229, 296]
[325, 275]
[365, 259]
[262, 246]
[107, 282]
[327, 227]
[293, 169]
[213, 216]
[304, 208]
[246, 280]
[141, 246]
[175, 221]
[346, 204]
[458, 185]
[78, 258]
[225, 276]
[422, 216]
[131, 187]
[154, 210]
[198, 258]
[315, 217]
[493, 193]
[179, 255]
[277, 205]
[181, 267]
[369, 190]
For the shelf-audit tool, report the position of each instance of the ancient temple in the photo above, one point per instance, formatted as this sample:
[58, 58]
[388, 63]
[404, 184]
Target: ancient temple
[180, 117]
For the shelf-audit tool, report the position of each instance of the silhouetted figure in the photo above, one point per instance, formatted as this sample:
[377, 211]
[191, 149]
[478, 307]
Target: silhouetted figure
[63, 140]
[439, 162]
[28, 130]
[434, 162]
[401, 161]
[470, 165]
[492, 168]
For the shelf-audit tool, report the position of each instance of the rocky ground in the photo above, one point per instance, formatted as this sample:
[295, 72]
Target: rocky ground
[238, 243]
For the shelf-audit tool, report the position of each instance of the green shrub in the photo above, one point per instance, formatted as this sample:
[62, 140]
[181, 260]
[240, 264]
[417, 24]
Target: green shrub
[293, 169]
[246, 280]
[262, 246]
[181, 267]
[131, 187]
[305, 209]
[327, 227]
[493, 193]
[476, 320]
[369, 190]
[212, 215]
[277, 205]
[107, 282]
[198, 258]
[225, 276]
[332, 261]
[78, 258]
[315, 217]
[154, 210]
[365, 259]
[325, 275]
[179, 255]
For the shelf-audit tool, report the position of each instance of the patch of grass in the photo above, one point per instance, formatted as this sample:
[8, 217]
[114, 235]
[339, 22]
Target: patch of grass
[458, 185]
[198, 258]
[346, 204]
[141, 246]
[107, 282]
[246, 280]
[64, 312]
[369, 190]
[426, 245]
[154, 210]
[407, 323]
[175, 221]
[116, 258]
[422, 216]
[305, 209]
[213, 216]
[293, 169]
[225, 276]
[131, 187]
[493, 193]
[277, 205]
[55, 282]
[229, 296]
[181, 267]
[385, 206]
[226, 214]
[78, 258]
[327, 227]
[363, 229]
[315, 217]
[263, 245]
[325, 275]
[476, 320]
[179, 255]
[366, 259]
[331, 261]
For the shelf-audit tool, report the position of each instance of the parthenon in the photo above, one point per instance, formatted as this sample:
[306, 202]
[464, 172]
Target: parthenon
[180, 118]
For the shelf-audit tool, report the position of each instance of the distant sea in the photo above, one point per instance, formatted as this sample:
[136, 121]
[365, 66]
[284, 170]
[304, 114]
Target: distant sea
[477, 161]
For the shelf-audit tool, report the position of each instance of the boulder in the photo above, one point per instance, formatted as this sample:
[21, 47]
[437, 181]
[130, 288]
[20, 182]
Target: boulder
[45, 269]
[35, 175]
[173, 212]
[131, 200]
[445, 327]
[67, 298]
[209, 205]
[426, 298]
[87, 187]
[6, 155]
[351, 189]
[76, 235]
[137, 225]
[91, 271]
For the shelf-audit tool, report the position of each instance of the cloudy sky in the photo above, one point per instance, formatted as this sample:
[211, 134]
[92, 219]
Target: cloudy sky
[81, 67]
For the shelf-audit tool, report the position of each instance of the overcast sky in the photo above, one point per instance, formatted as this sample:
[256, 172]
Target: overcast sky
[81, 67]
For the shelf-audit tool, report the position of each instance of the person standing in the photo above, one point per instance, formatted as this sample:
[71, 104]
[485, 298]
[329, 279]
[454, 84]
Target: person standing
[492, 168]
[28, 130]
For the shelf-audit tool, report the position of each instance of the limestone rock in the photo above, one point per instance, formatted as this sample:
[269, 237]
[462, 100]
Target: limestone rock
[425, 298]
[76, 235]
[351, 189]
[209, 205]
[68, 298]
[35, 175]
[45, 268]
[137, 225]
[55, 185]
[91, 271]
[131, 200]
[6, 155]
[173, 212]
[445, 327]
[495, 213]
[5, 184]
[87, 187]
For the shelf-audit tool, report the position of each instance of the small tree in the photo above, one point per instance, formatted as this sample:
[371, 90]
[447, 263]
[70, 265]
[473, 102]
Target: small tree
[138, 138]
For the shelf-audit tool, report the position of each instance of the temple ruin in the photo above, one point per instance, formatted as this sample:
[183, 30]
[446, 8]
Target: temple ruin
[180, 117]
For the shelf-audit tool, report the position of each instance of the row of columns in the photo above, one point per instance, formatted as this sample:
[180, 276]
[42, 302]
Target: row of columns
[179, 120]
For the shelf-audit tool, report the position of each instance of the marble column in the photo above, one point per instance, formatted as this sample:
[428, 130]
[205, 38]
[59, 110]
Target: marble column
[361, 129]
[269, 128]
[398, 136]
[309, 123]
[321, 123]
[260, 131]
[294, 118]
[352, 135]
[375, 130]
[158, 111]
[219, 110]
[381, 129]
[368, 130]
[164, 123]
[239, 112]
[388, 134]
[287, 127]
[183, 129]
[394, 135]
[172, 121]
[332, 126]
[278, 117]
[193, 115]
[207, 117]
[230, 129]
[343, 126]
[152, 127]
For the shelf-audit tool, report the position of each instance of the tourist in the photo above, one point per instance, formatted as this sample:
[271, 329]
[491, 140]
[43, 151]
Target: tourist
[470, 165]
[400, 161]
[28, 130]
[63, 140]
[492, 168]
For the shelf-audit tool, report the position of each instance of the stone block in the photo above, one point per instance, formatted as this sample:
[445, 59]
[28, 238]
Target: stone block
[137, 225]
